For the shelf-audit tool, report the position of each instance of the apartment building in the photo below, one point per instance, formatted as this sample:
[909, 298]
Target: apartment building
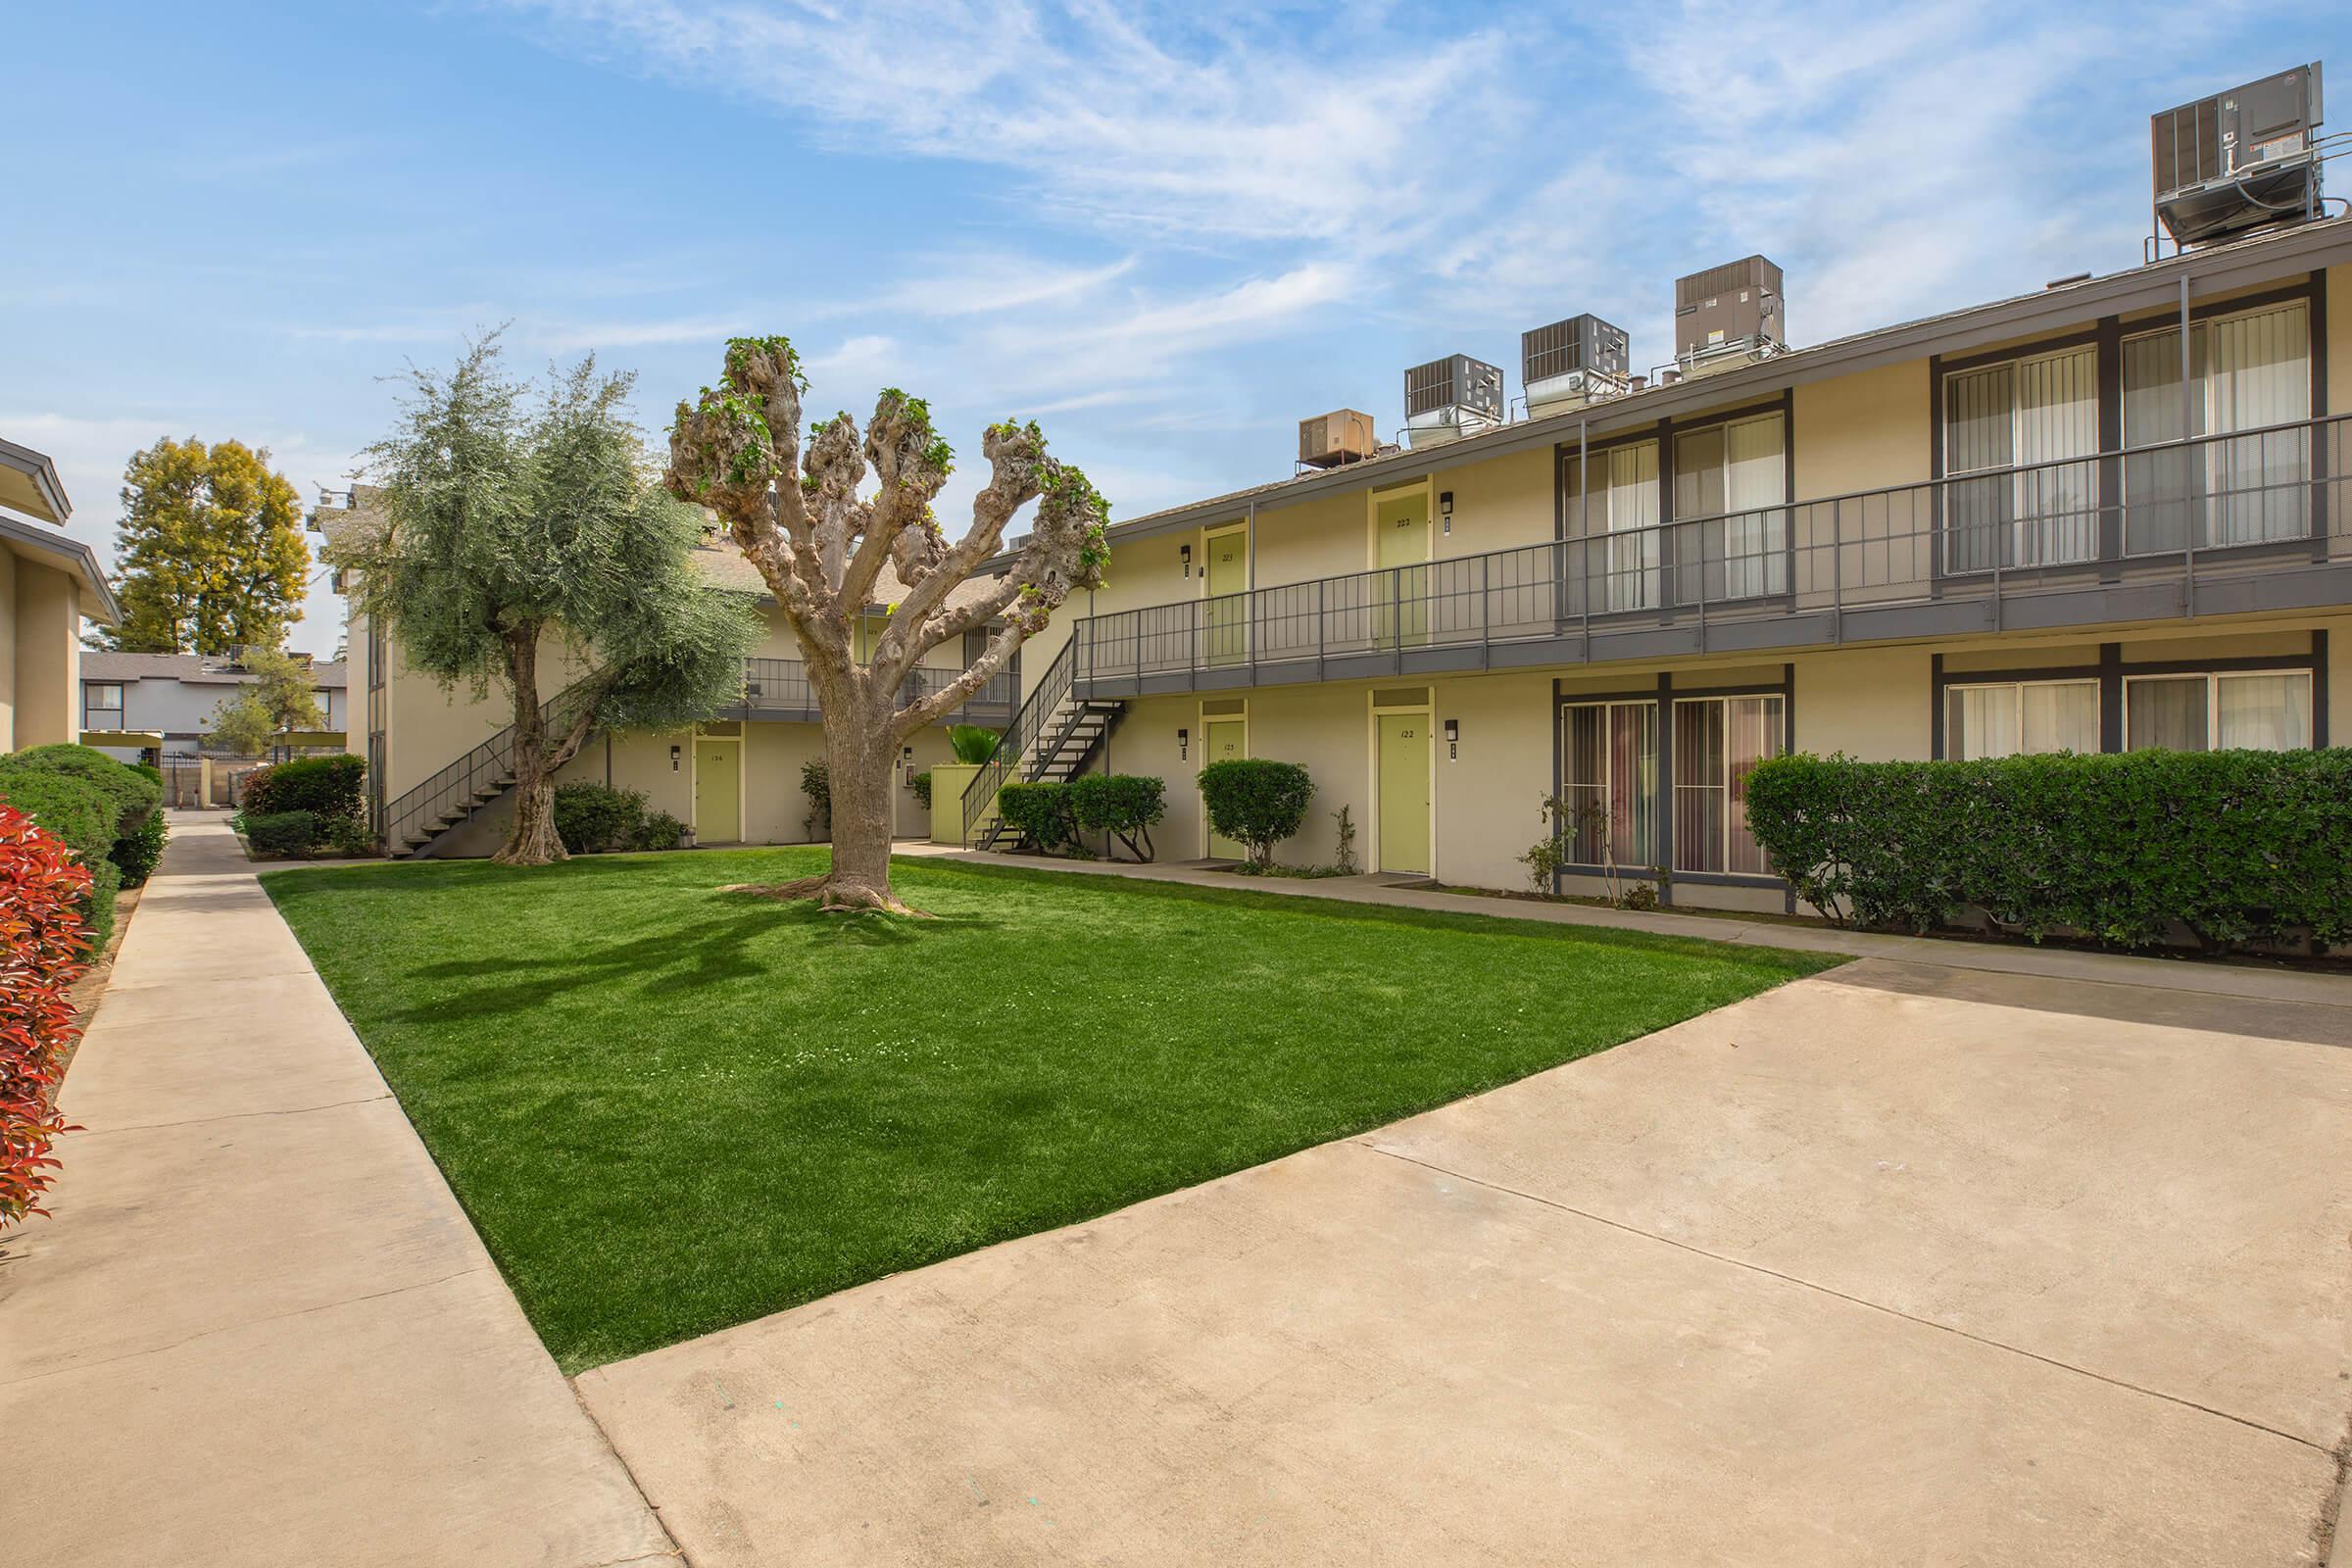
[49, 585]
[172, 698]
[440, 771]
[2107, 514]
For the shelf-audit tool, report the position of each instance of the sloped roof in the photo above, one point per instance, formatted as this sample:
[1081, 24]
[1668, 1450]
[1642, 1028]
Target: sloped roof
[193, 669]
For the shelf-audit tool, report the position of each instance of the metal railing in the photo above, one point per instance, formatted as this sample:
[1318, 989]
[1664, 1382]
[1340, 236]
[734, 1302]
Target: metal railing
[457, 788]
[782, 686]
[2175, 513]
[1051, 690]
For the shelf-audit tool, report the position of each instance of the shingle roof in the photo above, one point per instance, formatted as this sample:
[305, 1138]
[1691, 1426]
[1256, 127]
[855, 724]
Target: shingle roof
[193, 669]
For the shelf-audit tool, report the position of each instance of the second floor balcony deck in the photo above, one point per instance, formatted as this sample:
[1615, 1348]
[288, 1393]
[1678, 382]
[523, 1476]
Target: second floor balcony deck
[2252, 520]
[779, 689]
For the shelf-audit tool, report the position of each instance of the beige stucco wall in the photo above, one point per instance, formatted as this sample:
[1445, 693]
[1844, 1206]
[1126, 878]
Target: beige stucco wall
[8, 651]
[48, 657]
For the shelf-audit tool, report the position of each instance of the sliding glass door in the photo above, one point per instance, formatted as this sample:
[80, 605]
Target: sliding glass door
[2247, 372]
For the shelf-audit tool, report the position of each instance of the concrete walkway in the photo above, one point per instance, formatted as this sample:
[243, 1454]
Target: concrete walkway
[259, 1330]
[1900, 1264]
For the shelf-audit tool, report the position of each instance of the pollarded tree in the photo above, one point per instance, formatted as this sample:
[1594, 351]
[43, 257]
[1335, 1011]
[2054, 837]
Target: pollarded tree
[820, 539]
[503, 532]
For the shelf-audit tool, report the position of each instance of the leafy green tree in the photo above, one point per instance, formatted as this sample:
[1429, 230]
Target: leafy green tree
[211, 551]
[502, 533]
[277, 699]
[821, 541]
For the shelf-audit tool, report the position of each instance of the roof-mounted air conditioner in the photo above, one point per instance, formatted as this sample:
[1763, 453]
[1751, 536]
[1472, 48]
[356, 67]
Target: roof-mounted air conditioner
[1343, 435]
[1450, 398]
[1729, 316]
[2240, 159]
[1573, 363]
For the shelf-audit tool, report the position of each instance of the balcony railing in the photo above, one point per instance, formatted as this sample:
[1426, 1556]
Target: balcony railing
[2254, 519]
[779, 688]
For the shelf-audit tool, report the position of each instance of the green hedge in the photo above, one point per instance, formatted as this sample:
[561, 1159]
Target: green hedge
[1127, 805]
[2231, 846]
[1255, 803]
[324, 786]
[108, 814]
[284, 835]
[1041, 813]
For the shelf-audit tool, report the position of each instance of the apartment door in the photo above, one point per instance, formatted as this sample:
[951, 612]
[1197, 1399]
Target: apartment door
[1225, 616]
[1223, 740]
[1400, 551]
[1404, 792]
[718, 789]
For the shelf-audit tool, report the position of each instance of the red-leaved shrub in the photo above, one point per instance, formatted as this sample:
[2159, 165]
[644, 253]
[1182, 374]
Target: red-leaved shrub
[43, 948]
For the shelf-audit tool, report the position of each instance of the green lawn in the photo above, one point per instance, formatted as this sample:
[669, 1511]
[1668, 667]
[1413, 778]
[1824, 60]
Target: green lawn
[671, 1109]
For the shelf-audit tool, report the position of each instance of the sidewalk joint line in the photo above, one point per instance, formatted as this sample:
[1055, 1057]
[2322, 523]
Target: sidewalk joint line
[1826, 1289]
[229, 1115]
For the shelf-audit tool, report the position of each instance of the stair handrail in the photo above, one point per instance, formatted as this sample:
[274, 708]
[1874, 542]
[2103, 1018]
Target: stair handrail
[1028, 721]
[430, 799]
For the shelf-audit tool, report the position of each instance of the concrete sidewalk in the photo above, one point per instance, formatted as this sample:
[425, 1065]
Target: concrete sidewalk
[259, 1329]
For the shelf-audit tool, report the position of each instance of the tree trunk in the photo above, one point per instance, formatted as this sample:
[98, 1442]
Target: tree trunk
[861, 750]
[531, 838]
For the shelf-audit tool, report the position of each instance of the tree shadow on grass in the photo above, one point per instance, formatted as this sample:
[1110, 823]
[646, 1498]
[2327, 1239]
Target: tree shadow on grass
[682, 959]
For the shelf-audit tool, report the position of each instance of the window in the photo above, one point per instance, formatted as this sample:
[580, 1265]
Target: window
[2247, 372]
[1718, 741]
[1619, 523]
[2259, 711]
[102, 706]
[1609, 780]
[1733, 481]
[2003, 718]
[2036, 422]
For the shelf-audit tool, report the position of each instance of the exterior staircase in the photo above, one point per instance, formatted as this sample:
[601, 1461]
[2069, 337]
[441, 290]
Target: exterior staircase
[415, 825]
[1052, 738]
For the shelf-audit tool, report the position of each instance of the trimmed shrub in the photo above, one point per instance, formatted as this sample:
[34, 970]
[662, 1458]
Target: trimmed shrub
[923, 788]
[661, 831]
[595, 818]
[1255, 803]
[344, 835]
[972, 743]
[2231, 846]
[1041, 813]
[135, 852]
[1125, 806]
[93, 803]
[282, 835]
[324, 786]
[44, 947]
[817, 782]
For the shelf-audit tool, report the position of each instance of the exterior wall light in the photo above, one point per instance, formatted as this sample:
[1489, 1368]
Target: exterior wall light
[1454, 740]
[674, 752]
[1185, 554]
[1445, 510]
[1184, 738]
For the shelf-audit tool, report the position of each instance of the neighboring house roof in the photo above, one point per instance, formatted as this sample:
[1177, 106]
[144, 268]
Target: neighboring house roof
[68, 555]
[2216, 269]
[192, 669]
[29, 483]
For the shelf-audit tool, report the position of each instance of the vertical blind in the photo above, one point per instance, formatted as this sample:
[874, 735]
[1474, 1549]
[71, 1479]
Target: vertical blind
[1609, 767]
[1718, 741]
[2247, 371]
[2038, 418]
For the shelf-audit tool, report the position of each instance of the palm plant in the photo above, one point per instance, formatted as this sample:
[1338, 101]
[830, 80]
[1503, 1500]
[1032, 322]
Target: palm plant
[972, 743]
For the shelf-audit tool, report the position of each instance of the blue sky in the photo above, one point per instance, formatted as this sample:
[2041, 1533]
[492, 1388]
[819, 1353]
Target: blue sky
[1168, 234]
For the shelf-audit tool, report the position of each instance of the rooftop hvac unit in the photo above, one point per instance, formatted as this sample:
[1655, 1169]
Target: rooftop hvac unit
[2240, 159]
[1570, 364]
[1729, 316]
[1450, 398]
[1341, 436]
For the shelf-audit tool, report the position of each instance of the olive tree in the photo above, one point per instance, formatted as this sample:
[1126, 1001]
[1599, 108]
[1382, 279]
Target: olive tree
[505, 531]
[821, 538]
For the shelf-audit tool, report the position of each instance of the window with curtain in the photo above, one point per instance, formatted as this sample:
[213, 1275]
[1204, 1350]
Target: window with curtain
[2247, 372]
[102, 706]
[2259, 711]
[1731, 488]
[1609, 782]
[1619, 558]
[2032, 428]
[2007, 718]
[1718, 741]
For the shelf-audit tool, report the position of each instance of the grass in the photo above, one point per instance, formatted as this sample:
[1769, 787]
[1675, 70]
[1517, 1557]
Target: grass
[671, 1109]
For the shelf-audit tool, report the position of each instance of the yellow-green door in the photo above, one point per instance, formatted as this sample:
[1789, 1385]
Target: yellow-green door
[1226, 614]
[1405, 792]
[1401, 529]
[717, 791]
[1224, 740]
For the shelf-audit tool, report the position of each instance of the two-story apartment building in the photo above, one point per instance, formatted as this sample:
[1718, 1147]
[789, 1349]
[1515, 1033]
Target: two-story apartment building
[175, 696]
[49, 585]
[439, 758]
[2111, 514]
